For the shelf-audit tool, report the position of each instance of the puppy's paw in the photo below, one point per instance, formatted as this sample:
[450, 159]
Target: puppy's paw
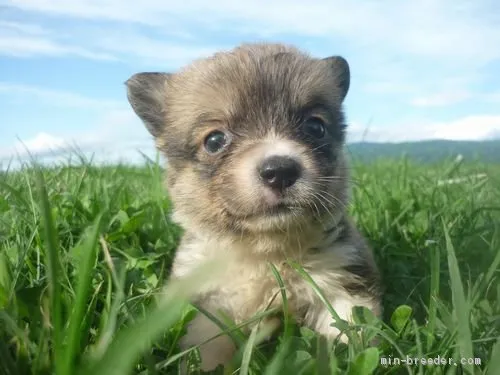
[320, 319]
[217, 351]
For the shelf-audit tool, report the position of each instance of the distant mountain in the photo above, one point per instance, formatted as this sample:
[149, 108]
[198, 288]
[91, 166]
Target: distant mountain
[427, 151]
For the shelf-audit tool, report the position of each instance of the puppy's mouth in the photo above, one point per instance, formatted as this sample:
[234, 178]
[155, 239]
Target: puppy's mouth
[279, 209]
[276, 211]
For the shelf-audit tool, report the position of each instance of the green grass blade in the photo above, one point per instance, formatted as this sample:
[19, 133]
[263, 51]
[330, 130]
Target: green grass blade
[230, 331]
[342, 325]
[433, 295]
[365, 362]
[323, 362]
[12, 328]
[286, 319]
[6, 360]
[490, 274]
[109, 318]
[464, 337]
[494, 362]
[418, 344]
[88, 254]
[247, 353]
[52, 265]
[130, 343]
[277, 363]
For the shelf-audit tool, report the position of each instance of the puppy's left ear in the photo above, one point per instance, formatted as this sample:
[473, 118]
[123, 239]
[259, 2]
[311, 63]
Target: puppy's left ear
[147, 94]
[342, 74]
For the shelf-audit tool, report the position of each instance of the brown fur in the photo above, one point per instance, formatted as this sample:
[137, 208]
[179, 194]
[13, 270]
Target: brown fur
[260, 95]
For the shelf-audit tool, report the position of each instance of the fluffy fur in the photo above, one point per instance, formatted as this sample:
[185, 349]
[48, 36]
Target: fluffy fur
[267, 100]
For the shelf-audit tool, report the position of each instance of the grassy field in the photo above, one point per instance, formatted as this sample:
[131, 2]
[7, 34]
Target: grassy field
[84, 252]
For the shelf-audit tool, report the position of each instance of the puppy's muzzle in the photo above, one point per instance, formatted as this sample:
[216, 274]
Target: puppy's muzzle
[279, 172]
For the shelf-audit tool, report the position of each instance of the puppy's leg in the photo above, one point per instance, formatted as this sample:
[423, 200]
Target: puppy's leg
[319, 318]
[213, 353]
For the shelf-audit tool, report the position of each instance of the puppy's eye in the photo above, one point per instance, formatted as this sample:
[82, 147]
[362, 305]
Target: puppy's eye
[216, 141]
[315, 127]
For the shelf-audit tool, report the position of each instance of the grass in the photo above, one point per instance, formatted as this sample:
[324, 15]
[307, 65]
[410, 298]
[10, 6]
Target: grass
[85, 251]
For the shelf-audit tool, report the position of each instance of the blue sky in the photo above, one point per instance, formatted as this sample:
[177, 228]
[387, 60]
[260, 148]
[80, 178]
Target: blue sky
[420, 69]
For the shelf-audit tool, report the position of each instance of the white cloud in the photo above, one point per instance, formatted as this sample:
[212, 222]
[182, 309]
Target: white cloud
[49, 149]
[455, 96]
[388, 87]
[118, 131]
[477, 127]
[389, 134]
[21, 46]
[396, 47]
[492, 97]
[41, 142]
[57, 98]
[451, 29]
[27, 40]
[112, 142]
[117, 128]
[150, 50]
[25, 28]
[441, 99]
[406, 48]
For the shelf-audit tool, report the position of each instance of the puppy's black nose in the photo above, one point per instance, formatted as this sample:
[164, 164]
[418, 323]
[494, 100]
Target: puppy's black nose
[279, 172]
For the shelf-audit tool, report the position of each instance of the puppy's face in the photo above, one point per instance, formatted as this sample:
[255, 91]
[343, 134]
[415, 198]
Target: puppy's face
[253, 137]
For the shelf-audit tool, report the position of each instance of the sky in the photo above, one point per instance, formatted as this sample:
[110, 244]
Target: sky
[419, 69]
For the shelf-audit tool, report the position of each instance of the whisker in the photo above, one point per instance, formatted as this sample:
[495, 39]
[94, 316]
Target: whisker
[342, 204]
[339, 178]
[320, 146]
[322, 200]
[313, 206]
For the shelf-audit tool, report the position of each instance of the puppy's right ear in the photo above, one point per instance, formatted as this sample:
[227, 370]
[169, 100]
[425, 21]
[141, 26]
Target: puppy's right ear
[146, 93]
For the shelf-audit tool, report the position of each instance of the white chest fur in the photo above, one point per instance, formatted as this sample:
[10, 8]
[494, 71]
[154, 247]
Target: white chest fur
[247, 285]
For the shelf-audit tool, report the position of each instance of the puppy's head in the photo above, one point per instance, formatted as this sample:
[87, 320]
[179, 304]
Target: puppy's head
[253, 137]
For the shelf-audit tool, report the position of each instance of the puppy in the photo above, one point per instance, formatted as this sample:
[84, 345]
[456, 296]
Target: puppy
[254, 141]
